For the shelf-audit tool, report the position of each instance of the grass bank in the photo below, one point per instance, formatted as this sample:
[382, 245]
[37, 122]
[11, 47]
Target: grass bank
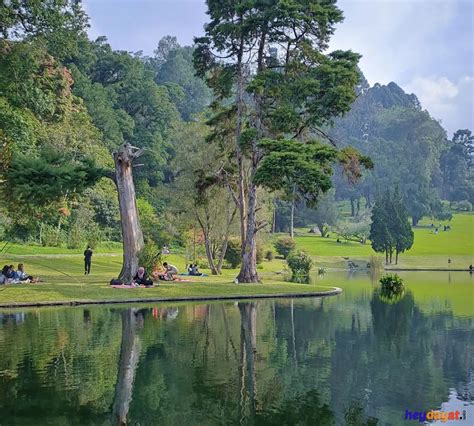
[65, 282]
[429, 250]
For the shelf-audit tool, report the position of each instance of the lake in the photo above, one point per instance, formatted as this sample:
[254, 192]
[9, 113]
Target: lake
[359, 358]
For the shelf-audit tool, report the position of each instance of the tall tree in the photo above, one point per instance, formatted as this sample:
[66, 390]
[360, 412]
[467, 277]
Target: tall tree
[201, 197]
[400, 226]
[173, 67]
[265, 62]
[390, 230]
[380, 233]
[404, 142]
[456, 166]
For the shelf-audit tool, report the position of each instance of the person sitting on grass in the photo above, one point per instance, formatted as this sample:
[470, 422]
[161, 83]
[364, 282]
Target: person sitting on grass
[171, 271]
[194, 270]
[22, 276]
[9, 273]
[141, 278]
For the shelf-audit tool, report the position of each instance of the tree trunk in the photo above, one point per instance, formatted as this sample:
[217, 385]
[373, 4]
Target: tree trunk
[352, 207]
[248, 358]
[132, 235]
[210, 257]
[222, 253]
[274, 218]
[323, 229]
[129, 357]
[248, 269]
[396, 257]
[414, 220]
[391, 253]
[292, 220]
[386, 256]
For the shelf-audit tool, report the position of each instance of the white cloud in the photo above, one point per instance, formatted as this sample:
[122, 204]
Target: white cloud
[448, 101]
[425, 46]
[394, 37]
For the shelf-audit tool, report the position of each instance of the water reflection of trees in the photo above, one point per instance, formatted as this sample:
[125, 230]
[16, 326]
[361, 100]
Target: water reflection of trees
[348, 360]
[128, 362]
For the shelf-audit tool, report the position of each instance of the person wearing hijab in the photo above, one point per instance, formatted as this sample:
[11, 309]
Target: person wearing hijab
[141, 277]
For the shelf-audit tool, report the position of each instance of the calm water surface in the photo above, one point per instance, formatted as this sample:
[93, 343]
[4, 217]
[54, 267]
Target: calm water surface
[356, 359]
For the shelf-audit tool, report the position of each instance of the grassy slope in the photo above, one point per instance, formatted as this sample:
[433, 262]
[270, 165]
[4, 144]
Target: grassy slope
[429, 250]
[76, 286]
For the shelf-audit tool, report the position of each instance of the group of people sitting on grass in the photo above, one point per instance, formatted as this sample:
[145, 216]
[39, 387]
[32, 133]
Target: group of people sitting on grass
[166, 273]
[8, 275]
[193, 270]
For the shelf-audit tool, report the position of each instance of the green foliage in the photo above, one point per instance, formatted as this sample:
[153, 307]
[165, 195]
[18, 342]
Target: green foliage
[274, 97]
[51, 236]
[300, 264]
[290, 166]
[75, 237]
[40, 83]
[149, 257]
[37, 181]
[269, 255]
[259, 253]
[233, 254]
[173, 66]
[284, 246]
[392, 286]
[403, 141]
[149, 221]
[464, 206]
[390, 230]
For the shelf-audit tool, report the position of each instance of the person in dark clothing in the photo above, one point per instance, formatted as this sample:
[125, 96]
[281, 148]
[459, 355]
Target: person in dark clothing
[9, 272]
[141, 278]
[194, 270]
[87, 260]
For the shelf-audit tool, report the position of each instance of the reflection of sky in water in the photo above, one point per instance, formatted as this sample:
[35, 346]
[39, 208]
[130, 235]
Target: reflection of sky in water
[456, 404]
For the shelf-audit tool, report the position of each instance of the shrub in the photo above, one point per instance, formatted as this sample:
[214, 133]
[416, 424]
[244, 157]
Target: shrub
[75, 237]
[149, 257]
[259, 253]
[464, 206]
[284, 246]
[269, 255]
[233, 253]
[94, 235]
[300, 264]
[51, 237]
[392, 285]
[202, 264]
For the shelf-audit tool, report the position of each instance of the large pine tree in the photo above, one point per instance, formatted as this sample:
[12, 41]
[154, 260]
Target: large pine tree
[276, 87]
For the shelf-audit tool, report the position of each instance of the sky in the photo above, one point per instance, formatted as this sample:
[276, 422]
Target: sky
[425, 46]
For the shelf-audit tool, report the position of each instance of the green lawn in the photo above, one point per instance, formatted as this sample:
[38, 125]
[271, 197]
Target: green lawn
[62, 269]
[64, 281]
[429, 250]
[35, 249]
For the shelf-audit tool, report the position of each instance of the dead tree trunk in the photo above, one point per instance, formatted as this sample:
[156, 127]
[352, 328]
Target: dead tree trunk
[129, 356]
[132, 235]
